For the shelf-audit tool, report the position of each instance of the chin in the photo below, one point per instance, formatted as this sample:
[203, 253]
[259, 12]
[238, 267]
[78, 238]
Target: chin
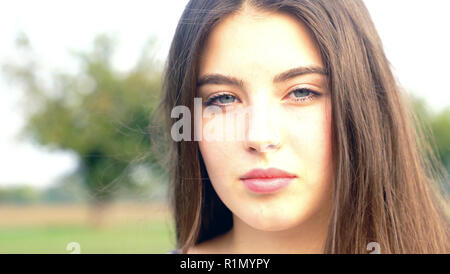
[274, 223]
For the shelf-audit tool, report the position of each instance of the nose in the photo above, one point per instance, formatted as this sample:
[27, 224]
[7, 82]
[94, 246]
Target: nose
[262, 130]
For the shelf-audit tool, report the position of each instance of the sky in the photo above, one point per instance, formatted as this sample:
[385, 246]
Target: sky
[413, 34]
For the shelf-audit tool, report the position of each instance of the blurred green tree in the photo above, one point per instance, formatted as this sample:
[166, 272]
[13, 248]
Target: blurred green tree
[23, 195]
[440, 125]
[436, 126]
[99, 113]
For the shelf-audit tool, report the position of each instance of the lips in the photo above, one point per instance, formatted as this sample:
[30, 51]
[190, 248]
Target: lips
[267, 180]
[267, 173]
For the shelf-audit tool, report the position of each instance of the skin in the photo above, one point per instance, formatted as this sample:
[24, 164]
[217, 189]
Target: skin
[254, 46]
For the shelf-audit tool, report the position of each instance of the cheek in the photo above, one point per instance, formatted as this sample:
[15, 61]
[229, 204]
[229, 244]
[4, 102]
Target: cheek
[217, 149]
[310, 141]
[218, 159]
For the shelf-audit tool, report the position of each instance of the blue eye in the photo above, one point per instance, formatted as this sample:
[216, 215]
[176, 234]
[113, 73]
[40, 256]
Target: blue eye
[304, 95]
[301, 92]
[226, 99]
[222, 99]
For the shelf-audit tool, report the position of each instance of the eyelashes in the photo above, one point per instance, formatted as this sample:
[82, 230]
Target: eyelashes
[299, 95]
[306, 94]
[216, 97]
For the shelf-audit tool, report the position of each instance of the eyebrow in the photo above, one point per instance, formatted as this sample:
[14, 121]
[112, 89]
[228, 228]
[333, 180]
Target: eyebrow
[219, 79]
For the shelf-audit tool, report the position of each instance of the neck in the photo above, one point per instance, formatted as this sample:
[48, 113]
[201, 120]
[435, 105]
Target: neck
[308, 237]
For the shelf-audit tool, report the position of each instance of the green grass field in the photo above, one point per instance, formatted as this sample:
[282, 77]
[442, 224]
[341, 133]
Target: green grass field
[152, 234]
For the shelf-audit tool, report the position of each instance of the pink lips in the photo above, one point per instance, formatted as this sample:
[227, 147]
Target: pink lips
[267, 180]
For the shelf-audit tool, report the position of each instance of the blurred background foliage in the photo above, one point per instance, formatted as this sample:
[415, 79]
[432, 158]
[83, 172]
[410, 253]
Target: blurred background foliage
[437, 126]
[100, 114]
[115, 201]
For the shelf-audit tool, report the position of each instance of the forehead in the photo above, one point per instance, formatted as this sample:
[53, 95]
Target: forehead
[258, 43]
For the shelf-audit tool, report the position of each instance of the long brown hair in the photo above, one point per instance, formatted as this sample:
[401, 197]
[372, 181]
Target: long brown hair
[385, 174]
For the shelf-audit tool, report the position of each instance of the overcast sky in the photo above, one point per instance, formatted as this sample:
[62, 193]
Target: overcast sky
[414, 33]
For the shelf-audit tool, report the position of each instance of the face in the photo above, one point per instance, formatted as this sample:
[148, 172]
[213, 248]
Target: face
[287, 125]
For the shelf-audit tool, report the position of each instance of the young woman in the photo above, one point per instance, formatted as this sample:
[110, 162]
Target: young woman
[329, 160]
